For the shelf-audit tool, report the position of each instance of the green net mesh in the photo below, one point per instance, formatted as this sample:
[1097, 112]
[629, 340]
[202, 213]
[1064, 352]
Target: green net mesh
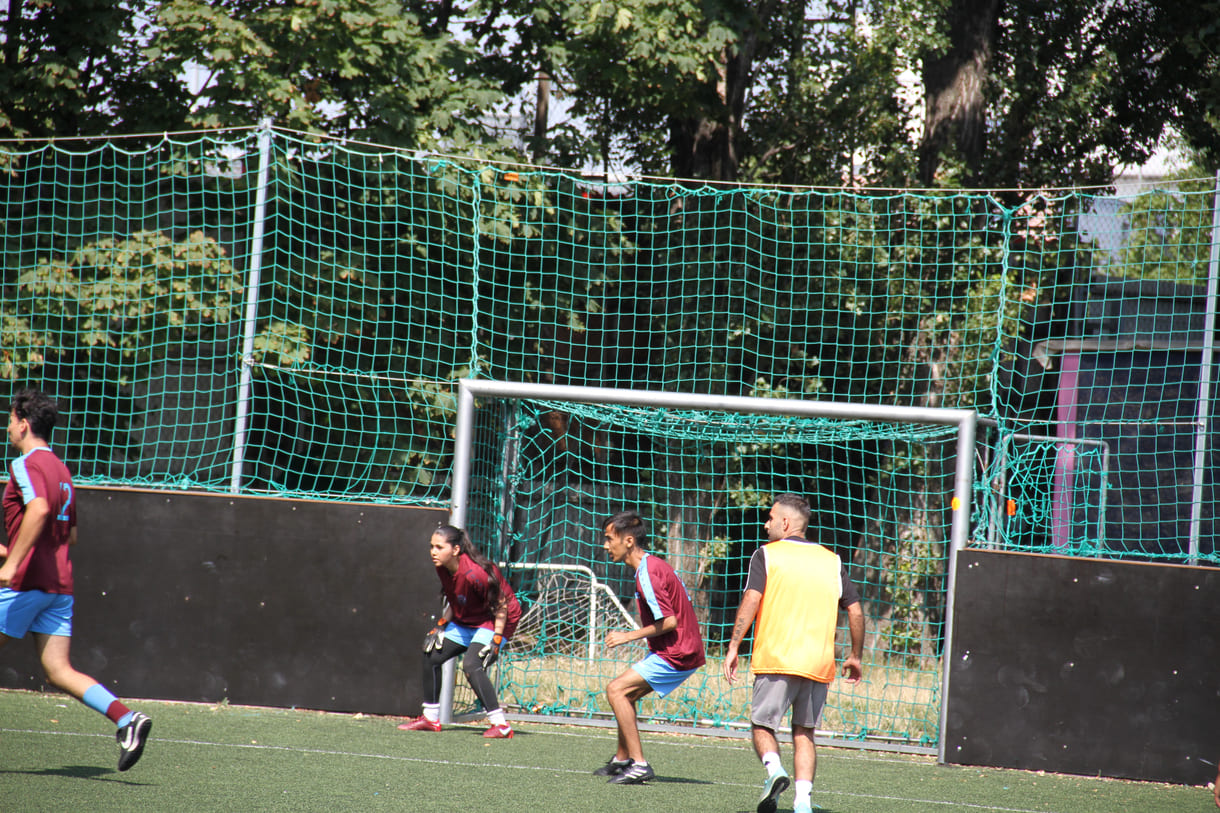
[1078, 325]
[546, 474]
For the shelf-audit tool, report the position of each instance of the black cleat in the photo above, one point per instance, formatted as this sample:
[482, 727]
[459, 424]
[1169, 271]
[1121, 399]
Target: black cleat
[613, 767]
[637, 774]
[131, 739]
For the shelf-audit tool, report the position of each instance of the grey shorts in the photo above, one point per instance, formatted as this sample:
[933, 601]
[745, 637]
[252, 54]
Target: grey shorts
[775, 694]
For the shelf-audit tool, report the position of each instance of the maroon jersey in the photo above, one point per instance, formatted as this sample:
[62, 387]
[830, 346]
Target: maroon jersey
[39, 473]
[659, 593]
[466, 592]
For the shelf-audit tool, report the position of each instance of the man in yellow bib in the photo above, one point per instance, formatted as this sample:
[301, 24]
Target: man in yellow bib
[795, 588]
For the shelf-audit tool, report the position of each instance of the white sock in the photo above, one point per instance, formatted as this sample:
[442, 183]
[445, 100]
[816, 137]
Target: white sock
[770, 761]
[432, 712]
[496, 717]
[803, 789]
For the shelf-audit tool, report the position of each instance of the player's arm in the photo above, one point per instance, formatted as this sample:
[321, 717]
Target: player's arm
[37, 512]
[750, 601]
[618, 637]
[490, 652]
[853, 667]
[849, 601]
[501, 619]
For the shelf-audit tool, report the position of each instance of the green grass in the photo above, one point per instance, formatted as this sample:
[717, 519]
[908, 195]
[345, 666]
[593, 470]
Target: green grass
[893, 702]
[58, 755]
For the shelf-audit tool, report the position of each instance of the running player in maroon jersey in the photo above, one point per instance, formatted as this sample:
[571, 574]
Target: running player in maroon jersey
[36, 577]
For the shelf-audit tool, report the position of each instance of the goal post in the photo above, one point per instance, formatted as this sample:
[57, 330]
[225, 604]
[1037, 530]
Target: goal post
[956, 423]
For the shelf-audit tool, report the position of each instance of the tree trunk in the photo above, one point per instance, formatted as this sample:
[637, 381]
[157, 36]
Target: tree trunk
[955, 104]
[692, 500]
[542, 113]
[704, 147]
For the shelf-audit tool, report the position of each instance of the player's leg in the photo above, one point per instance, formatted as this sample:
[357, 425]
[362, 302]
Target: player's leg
[652, 674]
[484, 689]
[805, 764]
[52, 630]
[806, 709]
[772, 699]
[430, 719]
[622, 693]
[54, 655]
[617, 695]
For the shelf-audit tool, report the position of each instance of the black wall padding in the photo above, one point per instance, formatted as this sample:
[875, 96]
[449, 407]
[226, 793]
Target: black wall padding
[259, 601]
[1085, 666]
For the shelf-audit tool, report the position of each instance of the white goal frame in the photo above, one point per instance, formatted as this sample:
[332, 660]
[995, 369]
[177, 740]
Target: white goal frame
[962, 419]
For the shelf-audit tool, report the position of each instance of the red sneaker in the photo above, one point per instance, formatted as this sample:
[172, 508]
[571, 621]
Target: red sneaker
[419, 724]
[499, 732]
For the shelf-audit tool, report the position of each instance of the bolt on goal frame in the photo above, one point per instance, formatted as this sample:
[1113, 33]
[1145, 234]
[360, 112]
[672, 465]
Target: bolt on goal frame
[959, 421]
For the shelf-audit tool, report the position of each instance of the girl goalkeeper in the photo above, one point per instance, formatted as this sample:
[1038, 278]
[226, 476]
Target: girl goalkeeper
[480, 615]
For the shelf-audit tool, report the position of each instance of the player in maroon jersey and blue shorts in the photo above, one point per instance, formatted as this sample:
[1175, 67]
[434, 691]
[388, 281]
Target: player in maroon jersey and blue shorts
[668, 622]
[480, 615]
[36, 577]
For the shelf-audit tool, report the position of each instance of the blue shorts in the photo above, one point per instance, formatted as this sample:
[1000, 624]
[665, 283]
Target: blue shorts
[660, 674]
[23, 611]
[466, 636]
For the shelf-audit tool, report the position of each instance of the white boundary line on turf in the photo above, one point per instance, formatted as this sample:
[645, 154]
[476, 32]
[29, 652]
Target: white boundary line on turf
[735, 744]
[940, 802]
[508, 766]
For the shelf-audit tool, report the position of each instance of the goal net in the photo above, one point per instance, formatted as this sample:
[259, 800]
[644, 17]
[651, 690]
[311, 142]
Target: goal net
[538, 467]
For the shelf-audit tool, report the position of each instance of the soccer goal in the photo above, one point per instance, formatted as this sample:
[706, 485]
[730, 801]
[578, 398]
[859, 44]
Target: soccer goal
[538, 467]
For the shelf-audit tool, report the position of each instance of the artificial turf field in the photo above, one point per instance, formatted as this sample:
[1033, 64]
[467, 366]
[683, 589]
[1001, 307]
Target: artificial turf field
[57, 755]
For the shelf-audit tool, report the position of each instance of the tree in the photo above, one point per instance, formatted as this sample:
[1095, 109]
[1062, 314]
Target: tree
[955, 78]
[1170, 230]
[383, 70]
[828, 109]
[68, 68]
[1059, 95]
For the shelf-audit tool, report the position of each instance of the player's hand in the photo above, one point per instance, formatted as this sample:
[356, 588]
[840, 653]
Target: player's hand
[730, 666]
[490, 652]
[616, 638]
[435, 639]
[852, 670]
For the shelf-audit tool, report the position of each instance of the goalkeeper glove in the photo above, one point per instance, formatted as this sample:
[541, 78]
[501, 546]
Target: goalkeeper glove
[490, 652]
[436, 638]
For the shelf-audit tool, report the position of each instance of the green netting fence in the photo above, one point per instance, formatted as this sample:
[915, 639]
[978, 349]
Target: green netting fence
[267, 313]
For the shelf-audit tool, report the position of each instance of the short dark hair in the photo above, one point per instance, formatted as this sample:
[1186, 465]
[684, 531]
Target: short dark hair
[38, 408]
[797, 504]
[629, 523]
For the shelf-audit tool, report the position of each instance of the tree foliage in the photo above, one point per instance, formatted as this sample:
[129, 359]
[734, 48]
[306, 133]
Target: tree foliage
[1008, 93]
[377, 69]
[67, 68]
